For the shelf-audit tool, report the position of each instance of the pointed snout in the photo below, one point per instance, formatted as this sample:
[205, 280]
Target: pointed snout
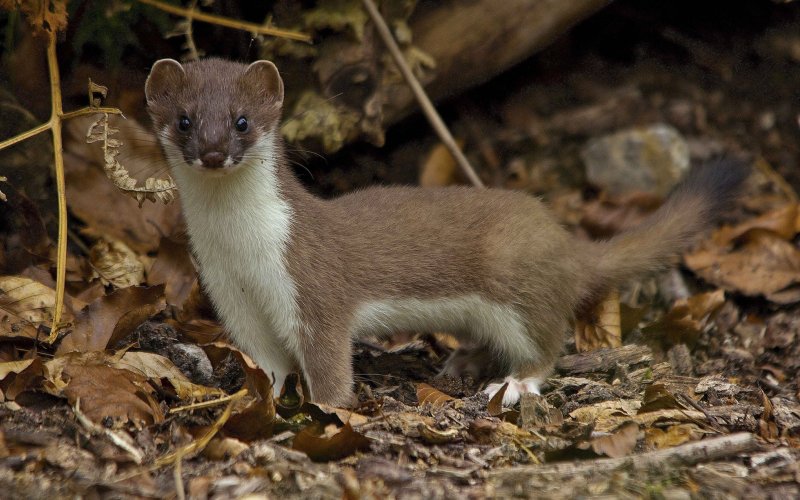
[213, 160]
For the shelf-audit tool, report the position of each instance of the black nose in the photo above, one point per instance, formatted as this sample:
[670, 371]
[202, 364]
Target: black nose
[214, 159]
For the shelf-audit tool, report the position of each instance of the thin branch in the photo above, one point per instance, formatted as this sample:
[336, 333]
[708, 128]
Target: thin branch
[427, 107]
[55, 124]
[25, 135]
[228, 22]
[123, 441]
[203, 404]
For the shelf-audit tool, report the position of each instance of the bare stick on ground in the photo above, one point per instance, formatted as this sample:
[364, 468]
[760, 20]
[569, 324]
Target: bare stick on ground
[690, 454]
[426, 104]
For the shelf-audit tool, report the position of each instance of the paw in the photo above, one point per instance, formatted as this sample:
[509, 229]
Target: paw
[516, 388]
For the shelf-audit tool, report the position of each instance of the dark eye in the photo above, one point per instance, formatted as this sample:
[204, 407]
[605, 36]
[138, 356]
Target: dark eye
[241, 124]
[184, 123]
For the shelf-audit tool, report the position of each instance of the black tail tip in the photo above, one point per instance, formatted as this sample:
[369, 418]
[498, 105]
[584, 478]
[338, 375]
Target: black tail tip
[719, 182]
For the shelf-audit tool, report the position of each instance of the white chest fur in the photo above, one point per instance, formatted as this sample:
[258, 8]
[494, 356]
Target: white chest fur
[240, 228]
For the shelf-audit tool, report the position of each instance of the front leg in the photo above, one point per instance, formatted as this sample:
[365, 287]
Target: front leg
[250, 331]
[327, 359]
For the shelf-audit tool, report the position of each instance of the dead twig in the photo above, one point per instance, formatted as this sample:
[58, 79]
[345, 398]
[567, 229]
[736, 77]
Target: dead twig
[200, 443]
[690, 454]
[424, 102]
[256, 29]
[123, 441]
[203, 404]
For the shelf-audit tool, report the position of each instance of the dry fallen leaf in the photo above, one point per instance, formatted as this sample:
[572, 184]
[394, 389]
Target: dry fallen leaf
[607, 414]
[685, 320]
[224, 448]
[116, 264]
[495, 405]
[619, 443]
[253, 416]
[162, 190]
[427, 394]
[673, 435]
[104, 391]
[767, 425]
[755, 257]
[604, 330]
[9, 367]
[110, 318]
[322, 445]
[344, 416]
[782, 222]
[434, 436]
[157, 367]
[25, 304]
[766, 265]
[658, 397]
[535, 412]
[439, 167]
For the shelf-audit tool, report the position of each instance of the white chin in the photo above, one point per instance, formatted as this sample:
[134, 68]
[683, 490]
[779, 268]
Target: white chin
[214, 172]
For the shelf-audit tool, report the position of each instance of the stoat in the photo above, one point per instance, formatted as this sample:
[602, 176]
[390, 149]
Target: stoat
[295, 278]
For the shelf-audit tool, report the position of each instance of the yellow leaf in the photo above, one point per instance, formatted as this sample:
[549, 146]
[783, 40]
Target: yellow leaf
[440, 168]
[116, 264]
[25, 304]
[156, 367]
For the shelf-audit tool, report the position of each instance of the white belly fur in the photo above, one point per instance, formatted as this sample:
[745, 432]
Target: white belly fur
[488, 323]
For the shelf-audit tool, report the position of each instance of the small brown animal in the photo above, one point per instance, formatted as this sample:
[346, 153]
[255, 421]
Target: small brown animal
[295, 278]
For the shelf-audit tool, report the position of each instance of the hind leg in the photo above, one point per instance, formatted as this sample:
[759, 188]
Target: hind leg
[527, 363]
[525, 379]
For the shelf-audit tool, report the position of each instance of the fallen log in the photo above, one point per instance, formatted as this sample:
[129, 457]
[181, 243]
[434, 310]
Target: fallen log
[451, 46]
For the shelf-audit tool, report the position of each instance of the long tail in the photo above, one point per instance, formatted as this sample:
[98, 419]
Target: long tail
[693, 206]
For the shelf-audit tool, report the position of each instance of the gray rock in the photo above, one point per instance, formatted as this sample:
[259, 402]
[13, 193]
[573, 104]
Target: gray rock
[650, 159]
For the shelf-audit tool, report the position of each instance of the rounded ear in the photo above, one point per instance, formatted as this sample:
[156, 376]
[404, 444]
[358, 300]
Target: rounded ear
[263, 78]
[166, 75]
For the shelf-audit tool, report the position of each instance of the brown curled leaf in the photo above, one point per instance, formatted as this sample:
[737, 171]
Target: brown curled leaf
[427, 394]
[322, 445]
[435, 436]
[110, 318]
[495, 406]
[619, 443]
[24, 305]
[162, 190]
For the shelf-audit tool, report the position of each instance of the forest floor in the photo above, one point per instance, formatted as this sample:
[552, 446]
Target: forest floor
[701, 400]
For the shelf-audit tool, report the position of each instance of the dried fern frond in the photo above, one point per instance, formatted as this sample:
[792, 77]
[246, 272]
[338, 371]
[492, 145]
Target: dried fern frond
[154, 189]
